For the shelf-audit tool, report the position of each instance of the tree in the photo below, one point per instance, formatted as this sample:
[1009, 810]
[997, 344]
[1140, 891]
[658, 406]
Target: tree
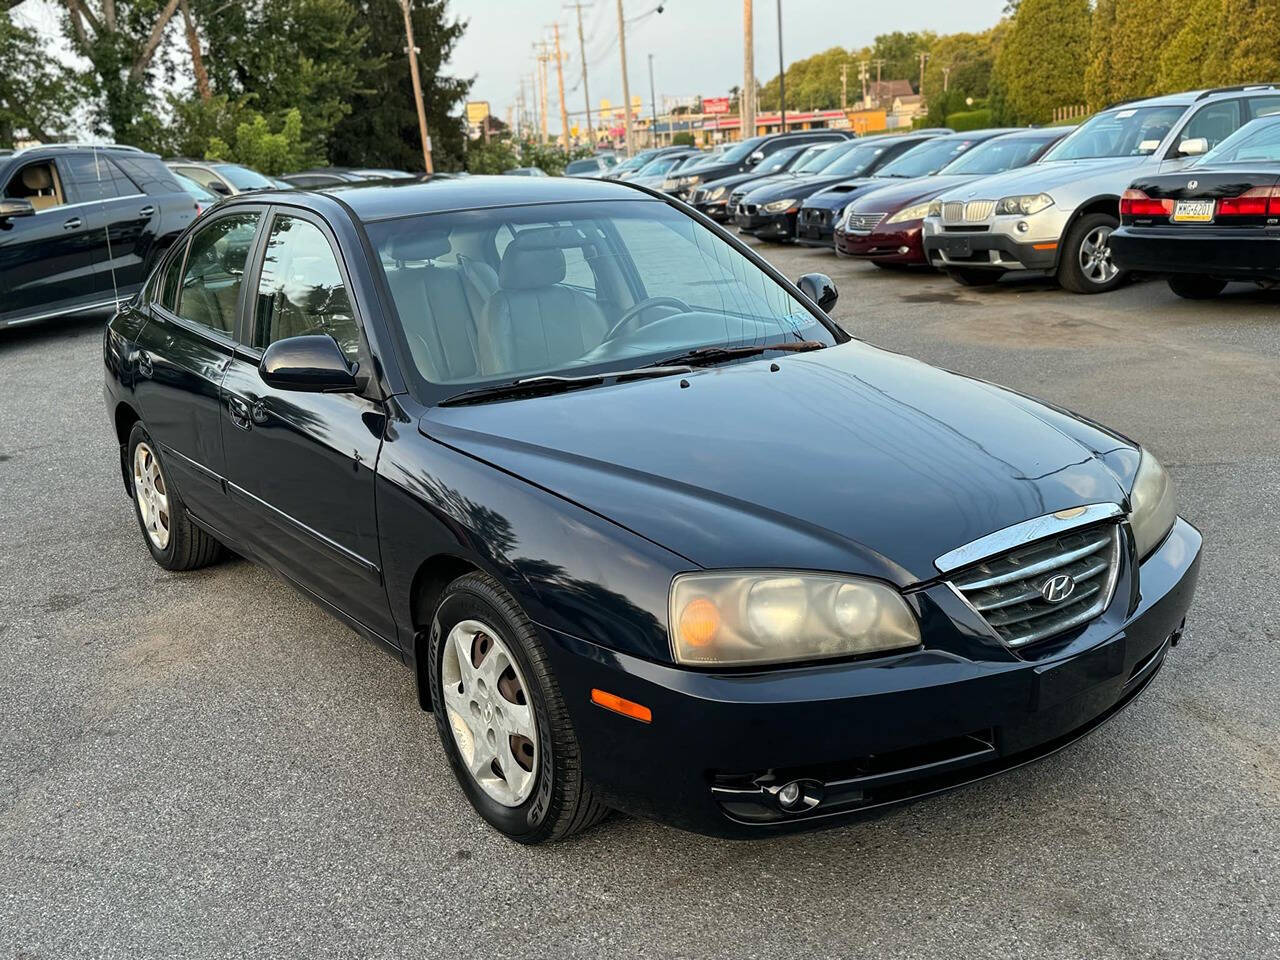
[36, 94]
[255, 144]
[1129, 53]
[1191, 58]
[382, 126]
[901, 54]
[119, 38]
[970, 58]
[812, 83]
[1247, 46]
[1039, 62]
[1100, 88]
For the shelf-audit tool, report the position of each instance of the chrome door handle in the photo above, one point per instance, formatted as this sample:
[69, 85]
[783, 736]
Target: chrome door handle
[144, 363]
[147, 211]
[239, 411]
[73, 224]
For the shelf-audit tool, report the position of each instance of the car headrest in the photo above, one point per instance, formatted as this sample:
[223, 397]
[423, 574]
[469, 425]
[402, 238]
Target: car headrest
[526, 267]
[419, 245]
[37, 178]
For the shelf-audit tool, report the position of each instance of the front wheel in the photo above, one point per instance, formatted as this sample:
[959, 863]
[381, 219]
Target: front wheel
[1196, 286]
[501, 718]
[174, 541]
[1086, 265]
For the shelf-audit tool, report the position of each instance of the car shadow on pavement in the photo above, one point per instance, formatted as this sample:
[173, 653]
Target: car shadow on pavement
[52, 328]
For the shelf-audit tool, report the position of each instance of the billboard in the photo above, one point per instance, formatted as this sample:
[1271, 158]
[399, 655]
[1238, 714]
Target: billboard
[477, 110]
[715, 104]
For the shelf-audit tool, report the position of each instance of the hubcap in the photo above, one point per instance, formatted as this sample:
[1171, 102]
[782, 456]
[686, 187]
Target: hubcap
[1095, 256]
[490, 712]
[152, 494]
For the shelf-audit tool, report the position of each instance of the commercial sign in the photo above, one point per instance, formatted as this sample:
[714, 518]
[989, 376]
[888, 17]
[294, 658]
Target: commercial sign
[715, 104]
[477, 110]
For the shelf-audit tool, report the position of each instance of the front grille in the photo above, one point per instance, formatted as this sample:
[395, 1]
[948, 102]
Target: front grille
[815, 217]
[863, 222]
[975, 211]
[697, 195]
[749, 209]
[1009, 590]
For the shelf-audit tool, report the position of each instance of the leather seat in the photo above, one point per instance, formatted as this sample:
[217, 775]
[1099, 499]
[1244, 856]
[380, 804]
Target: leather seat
[37, 184]
[532, 322]
[439, 303]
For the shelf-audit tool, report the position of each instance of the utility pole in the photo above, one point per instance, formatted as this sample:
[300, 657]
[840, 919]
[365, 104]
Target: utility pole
[412, 51]
[923, 57]
[747, 97]
[946, 79]
[626, 84]
[863, 75]
[878, 65]
[541, 55]
[653, 108]
[564, 114]
[782, 75]
[844, 86]
[586, 91]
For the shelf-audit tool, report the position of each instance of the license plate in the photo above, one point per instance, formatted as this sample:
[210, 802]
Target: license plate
[957, 247]
[814, 233]
[1193, 211]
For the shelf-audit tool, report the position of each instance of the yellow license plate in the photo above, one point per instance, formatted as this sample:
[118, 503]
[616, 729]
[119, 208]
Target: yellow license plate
[1193, 211]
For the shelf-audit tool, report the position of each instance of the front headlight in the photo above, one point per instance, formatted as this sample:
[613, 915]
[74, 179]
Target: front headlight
[691, 181]
[935, 209]
[1153, 504]
[716, 194]
[917, 211]
[779, 206]
[735, 619]
[1024, 206]
[670, 183]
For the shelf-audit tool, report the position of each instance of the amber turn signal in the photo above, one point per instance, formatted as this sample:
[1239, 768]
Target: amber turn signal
[628, 708]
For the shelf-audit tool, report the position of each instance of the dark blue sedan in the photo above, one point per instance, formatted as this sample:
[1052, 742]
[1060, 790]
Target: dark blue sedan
[651, 530]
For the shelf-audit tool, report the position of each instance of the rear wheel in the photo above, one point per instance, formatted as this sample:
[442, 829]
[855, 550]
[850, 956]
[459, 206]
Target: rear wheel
[1196, 286]
[501, 717]
[174, 541]
[1086, 265]
[971, 277]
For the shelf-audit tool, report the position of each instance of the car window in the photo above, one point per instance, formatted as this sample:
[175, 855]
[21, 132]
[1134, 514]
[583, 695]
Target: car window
[94, 176]
[1254, 142]
[301, 291]
[201, 176]
[996, 156]
[928, 158]
[582, 166]
[210, 292]
[1261, 107]
[242, 178]
[38, 183]
[1125, 132]
[172, 276]
[661, 284]
[1214, 122]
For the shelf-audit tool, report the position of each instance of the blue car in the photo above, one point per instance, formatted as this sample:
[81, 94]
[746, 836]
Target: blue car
[650, 530]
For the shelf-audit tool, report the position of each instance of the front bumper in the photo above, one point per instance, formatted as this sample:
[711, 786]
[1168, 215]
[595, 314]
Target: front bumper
[767, 226]
[717, 210]
[815, 226]
[904, 245]
[863, 735]
[1242, 253]
[997, 244]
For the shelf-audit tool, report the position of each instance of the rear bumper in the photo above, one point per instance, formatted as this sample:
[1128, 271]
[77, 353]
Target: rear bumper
[1244, 253]
[862, 735]
[888, 246]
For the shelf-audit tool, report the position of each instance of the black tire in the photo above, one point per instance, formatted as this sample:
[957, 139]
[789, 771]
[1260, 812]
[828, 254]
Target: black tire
[561, 802]
[1192, 286]
[1072, 272]
[188, 547]
[973, 276]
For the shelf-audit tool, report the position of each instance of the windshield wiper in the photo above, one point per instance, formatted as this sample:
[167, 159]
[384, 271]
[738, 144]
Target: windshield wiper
[550, 383]
[707, 355]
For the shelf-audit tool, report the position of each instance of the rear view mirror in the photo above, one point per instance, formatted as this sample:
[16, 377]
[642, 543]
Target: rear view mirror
[1193, 147]
[819, 288]
[16, 208]
[314, 364]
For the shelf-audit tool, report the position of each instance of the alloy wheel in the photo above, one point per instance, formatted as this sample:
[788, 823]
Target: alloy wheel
[152, 494]
[1095, 256]
[490, 712]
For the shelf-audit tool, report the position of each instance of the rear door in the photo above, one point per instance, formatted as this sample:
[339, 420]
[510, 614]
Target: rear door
[300, 466]
[128, 215]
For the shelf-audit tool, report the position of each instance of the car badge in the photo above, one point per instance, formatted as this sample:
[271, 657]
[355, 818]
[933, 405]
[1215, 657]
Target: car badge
[1056, 589]
[1192, 184]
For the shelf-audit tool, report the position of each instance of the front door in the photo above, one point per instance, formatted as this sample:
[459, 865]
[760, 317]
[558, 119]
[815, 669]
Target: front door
[301, 464]
[49, 261]
[183, 353]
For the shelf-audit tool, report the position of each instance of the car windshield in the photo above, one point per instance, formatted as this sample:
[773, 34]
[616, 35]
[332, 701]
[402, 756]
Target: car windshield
[659, 166]
[193, 188]
[826, 156]
[583, 166]
[741, 151]
[778, 161]
[1128, 132]
[574, 289]
[998, 155]
[242, 178]
[1255, 142]
[928, 158]
[856, 161]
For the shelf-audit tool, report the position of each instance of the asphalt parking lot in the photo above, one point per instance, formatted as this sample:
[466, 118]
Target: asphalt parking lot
[207, 765]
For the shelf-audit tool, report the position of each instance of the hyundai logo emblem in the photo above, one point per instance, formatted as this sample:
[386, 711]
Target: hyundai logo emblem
[1192, 184]
[1056, 589]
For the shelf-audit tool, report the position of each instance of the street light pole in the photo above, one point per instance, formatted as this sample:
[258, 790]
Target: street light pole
[564, 115]
[417, 88]
[747, 96]
[782, 75]
[653, 107]
[626, 85]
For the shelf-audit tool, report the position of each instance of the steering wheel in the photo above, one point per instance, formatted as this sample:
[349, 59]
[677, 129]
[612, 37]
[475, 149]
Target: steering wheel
[627, 320]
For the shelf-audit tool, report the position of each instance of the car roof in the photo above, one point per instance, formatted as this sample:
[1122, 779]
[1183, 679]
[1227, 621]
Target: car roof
[373, 200]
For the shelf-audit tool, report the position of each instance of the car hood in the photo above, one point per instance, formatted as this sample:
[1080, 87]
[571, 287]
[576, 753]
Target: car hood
[791, 186]
[891, 199]
[848, 458]
[738, 179]
[1047, 176]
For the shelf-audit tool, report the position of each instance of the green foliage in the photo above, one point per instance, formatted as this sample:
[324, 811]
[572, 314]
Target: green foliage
[36, 94]
[1247, 47]
[1191, 58]
[901, 53]
[255, 144]
[682, 139]
[970, 57]
[492, 157]
[970, 120]
[813, 83]
[382, 127]
[1039, 64]
[1099, 87]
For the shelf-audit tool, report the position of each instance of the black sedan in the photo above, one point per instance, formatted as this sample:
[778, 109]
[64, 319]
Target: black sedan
[650, 529]
[1210, 223]
[712, 198]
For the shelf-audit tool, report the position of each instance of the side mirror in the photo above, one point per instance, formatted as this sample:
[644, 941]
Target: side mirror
[16, 208]
[819, 288]
[220, 188]
[1193, 147]
[756, 157]
[314, 364]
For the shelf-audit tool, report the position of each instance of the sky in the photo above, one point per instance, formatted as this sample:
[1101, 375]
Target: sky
[696, 44]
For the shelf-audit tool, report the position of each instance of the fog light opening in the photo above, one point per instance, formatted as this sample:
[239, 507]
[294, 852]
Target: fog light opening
[799, 796]
[904, 249]
[1023, 226]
